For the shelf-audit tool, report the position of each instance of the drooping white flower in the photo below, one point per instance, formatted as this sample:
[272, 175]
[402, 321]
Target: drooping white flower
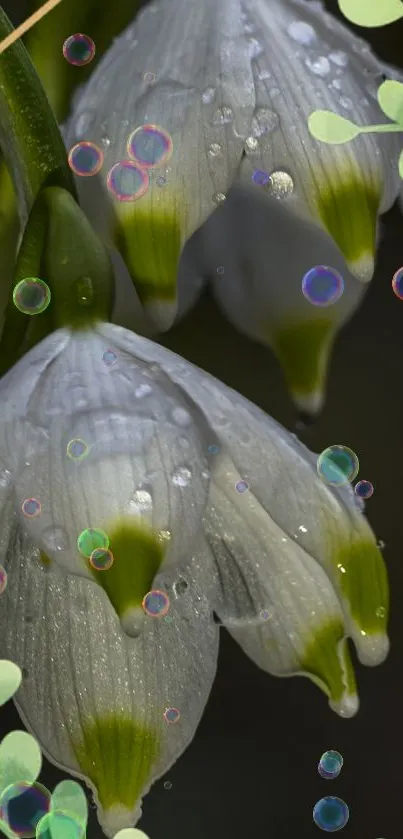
[233, 85]
[290, 565]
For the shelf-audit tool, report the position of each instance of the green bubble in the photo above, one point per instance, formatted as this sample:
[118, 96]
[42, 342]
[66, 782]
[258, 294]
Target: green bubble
[31, 296]
[371, 12]
[390, 98]
[90, 540]
[10, 680]
[69, 797]
[20, 758]
[58, 824]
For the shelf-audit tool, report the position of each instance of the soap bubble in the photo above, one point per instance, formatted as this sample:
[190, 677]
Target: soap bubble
[127, 181]
[150, 146]
[22, 806]
[322, 285]
[3, 579]
[171, 715]
[330, 764]
[58, 823]
[331, 813]
[85, 159]
[101, 559]
[31, 508]
[397, 283]
[260, 177]
[79, 49]
[91, 539]
[241, 486]
[337, 465]
[31, 296]
[156, 603]
[364, 489]
[77, 449]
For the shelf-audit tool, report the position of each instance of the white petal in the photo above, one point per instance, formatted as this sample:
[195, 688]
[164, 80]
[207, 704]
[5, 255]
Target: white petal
[90, 695]
[203, 96]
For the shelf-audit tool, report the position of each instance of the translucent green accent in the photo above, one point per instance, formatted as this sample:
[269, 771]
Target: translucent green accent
[324, 664]
[137, 557]
[348, 208]
[45, 559]
[302, 350]
[150, 243]
[117, 754]
[362, 577]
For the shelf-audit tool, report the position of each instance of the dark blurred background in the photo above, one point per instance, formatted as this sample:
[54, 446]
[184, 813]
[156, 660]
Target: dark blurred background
[252, 767]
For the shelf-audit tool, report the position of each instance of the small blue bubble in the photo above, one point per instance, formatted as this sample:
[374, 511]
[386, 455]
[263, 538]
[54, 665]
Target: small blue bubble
[330, 764]
[213, 449]
[260, 178]
[322, 285]
[241, 486]
[331, 814]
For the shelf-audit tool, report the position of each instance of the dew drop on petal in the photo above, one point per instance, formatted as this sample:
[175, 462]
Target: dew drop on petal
[322, 285]
[339, 57]
[364, 489]
[252, 144]
[182, 476]
[215, 150]
[55, 539]
[264, 121]
[330, 813]
[337, 465]
[31, 508]
[330, 764]
[149, 77]
[127, 181]
[150, 146]
[171, 715]
[91, 539]
[180, 586]
[101, 559]
[302, 33]
[143, 390]
[223, 116]
[219, 198]
[79, 49]
[31, 296]
[181, 417]
[397, 283]
[23, 805]
[85, 159]
[319, 66]
[3, 579]
[208, 95]
[156, 603]
[143, 499]
[280, 184]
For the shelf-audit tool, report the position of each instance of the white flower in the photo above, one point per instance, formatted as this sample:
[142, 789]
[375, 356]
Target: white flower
[289, 564]
[233, 85]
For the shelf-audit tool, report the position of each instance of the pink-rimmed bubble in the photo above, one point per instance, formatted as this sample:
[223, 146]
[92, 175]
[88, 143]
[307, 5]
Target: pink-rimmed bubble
[150, 146]
[3, 579]
[127, 181]
[397, 283]
[85, 159]
[79, 49]
[31, 508]
[364, 489]
[156, 603]
[101, 559]
[171, 715]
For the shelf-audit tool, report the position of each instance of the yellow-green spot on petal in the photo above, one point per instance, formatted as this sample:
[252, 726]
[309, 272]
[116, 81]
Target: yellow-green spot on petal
[137, 556]
[44, 559]
[364, 584]
[323, 663]
[348, 207]
[117, 754]
[302, 349]
[150, 243]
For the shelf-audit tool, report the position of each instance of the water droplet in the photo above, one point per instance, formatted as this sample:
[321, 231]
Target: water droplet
[252, 144]
[339, 57]
[180, 587]
[219, 198]
[84, 291]
[163, 536]
[142, 498]
[83, 124]
[336, 84]
[5, 478]
[143, 390]
[255, 48]
[380, 612]
[302, 33]
[181, 417]
[55, 539]
[380, 544]
[223, 116]
[319, 66]
[105, 142]
[281, 184]
[208, 95]
[346, 103]
[264, 121]
[215, 150]
[182, 476]
[167, 785]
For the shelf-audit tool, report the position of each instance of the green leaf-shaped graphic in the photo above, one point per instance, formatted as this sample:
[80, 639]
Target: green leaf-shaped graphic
[401, 165]
[371, 12]
[390, 98]
[332, 128]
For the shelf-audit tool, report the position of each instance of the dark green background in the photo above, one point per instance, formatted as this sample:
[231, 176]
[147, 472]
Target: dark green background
[251, 770]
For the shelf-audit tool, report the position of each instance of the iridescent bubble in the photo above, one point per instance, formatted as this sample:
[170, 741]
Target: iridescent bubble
[127, 181]
[109, 358]
[330, 764]
[397, 283]
[77, 449]
[171, 715]
[79, 49]
[156, 603]
[150, 146]
[260, 178]
[60, 824]
[322, 285]
[149, 77]
[161, 181]
[31, 296]
[338, 465]
[91, 539]
[167, 785]
[330, 813]
[3, 579]
[213, 449]
[241, 486]
[31, 507]
[220, 270]
[364, 489]
[23, 805]
[85, 159]
[101, 559]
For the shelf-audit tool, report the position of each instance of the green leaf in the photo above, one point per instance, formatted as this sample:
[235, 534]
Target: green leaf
[332, 128]
[371, 12]
[29, 135]
[390, 98]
